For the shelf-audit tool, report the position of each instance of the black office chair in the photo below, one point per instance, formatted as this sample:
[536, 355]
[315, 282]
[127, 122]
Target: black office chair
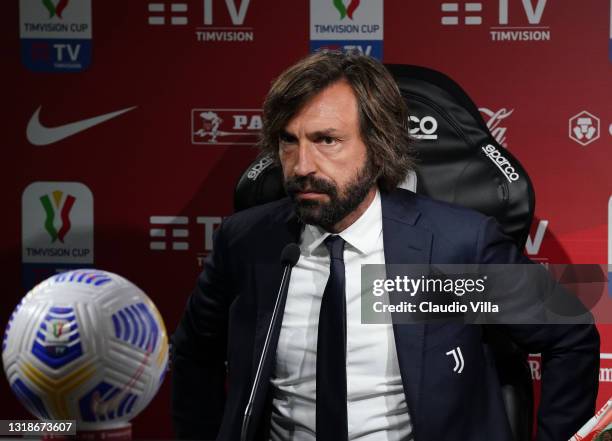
[458, 161]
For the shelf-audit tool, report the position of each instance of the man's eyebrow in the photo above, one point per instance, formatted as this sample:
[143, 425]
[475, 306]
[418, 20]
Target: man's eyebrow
[284, 134]
[323, 133]
[316, 134]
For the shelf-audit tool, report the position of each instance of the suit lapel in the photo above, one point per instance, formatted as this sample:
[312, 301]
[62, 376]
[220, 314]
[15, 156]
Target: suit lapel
[405, 243]
[282, 229]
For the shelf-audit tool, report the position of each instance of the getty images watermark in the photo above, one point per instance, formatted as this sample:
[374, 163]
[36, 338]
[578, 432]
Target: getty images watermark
[485, 294]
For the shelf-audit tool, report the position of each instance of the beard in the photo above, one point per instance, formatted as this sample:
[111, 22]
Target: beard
[341, 202]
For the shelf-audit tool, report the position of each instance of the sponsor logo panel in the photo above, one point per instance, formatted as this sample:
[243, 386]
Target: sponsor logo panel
[57, 229]
[507, 20]
[41, 135]
[210, 21]
[55, 35]
[169, 233]
[494, 120]
[534, 242]
[584, 128]
[605, 368]
[426, 127]
[225, 126]
[351, 25]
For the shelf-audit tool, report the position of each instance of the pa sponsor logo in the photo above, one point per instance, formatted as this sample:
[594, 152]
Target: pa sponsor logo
[514, 20]
[501, 162]
[351, 25]
[168, 233]
[55, 35]
[225, 126]
[584, 128]
[494, 120]
[211, 21]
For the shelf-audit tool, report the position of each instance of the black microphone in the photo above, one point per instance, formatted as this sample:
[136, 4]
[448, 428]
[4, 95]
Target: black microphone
[289, 257]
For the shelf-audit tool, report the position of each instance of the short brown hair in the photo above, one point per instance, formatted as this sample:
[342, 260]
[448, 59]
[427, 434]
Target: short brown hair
[382, 111]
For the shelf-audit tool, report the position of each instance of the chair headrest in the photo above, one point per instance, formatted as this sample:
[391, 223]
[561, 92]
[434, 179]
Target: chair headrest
[458, 160]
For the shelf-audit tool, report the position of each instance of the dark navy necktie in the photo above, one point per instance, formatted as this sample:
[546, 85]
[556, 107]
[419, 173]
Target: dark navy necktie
[331, 414]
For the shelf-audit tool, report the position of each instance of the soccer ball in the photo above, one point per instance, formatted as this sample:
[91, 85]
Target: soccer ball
[86, 345]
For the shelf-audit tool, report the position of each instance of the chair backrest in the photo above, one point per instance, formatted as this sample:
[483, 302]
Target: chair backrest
[458, 161]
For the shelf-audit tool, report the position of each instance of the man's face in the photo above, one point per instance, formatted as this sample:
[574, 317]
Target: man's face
[325, 163]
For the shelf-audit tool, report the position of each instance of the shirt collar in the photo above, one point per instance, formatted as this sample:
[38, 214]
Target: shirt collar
[361, 234]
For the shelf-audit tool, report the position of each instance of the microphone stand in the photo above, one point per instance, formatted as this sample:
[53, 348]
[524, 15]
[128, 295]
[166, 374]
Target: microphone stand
[290, 256]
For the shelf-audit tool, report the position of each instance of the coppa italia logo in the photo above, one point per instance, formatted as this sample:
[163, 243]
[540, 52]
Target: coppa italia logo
[351, 25]
[58, 328]
[55, 35]
[57, 206]
[225, 126]
[55, 9]
[346, 10]
[57, 227]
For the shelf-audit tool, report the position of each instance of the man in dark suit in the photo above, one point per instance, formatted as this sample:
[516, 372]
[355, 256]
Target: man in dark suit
[337, 125]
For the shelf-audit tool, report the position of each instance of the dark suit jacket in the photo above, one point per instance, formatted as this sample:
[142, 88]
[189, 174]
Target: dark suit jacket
[228, 313]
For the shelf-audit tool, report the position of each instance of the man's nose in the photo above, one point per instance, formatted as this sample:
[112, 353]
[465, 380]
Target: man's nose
[305, 164]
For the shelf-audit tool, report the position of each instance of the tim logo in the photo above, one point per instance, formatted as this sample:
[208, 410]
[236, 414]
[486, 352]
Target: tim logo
[346, 10]
[350, 47]
[515, 20]
[234, 29]
[57, 210]
[225, 126]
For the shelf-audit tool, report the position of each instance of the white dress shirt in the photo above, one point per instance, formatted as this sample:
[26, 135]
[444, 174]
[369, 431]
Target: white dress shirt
[376, 404]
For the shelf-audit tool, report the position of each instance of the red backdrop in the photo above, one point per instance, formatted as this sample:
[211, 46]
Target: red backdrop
[533, 67]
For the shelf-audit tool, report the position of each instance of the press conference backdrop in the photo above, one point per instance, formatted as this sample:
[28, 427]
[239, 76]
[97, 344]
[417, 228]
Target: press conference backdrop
[127, 123]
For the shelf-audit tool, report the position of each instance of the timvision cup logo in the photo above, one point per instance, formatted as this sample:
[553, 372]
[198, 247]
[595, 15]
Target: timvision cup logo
[55, 35]
[57, 226]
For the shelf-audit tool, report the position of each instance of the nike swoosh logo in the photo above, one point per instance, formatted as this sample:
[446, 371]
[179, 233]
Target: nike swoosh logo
[38, 134]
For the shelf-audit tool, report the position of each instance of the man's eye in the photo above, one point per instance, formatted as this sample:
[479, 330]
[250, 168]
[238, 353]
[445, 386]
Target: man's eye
[286, 139]
[327, 140]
